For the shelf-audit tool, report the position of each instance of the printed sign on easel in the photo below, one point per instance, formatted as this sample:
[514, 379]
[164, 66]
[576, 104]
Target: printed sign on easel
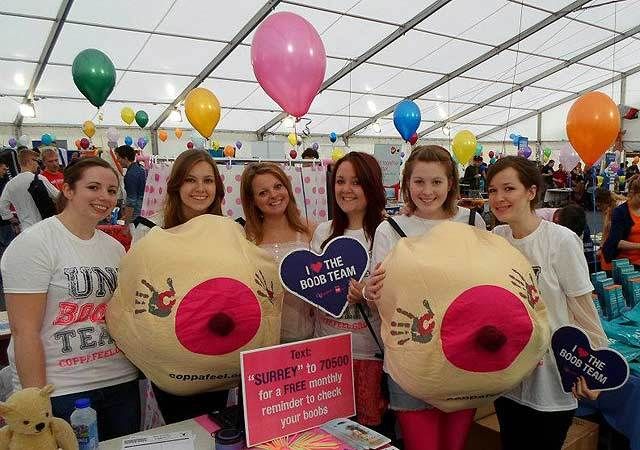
[294, 387]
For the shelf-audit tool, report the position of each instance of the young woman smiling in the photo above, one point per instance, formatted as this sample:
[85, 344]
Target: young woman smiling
[358, 206]
[274, 223]
[193, 188]
[430, 192]
[58, 278]
[556, 253]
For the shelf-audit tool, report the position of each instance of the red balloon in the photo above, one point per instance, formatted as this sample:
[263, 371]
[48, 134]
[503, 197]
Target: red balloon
[413, 139]
[189, 145]
[293, 154]
[84, 143]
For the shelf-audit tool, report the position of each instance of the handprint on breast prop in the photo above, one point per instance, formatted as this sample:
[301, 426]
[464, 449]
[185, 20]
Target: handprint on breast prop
[463, 321]
[190, 299]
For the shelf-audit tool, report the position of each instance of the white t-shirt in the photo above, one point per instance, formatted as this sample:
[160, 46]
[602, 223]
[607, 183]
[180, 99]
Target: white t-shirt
[386, 237]
[79, 277]
[16, 193]
[556, 254]
[364, 346]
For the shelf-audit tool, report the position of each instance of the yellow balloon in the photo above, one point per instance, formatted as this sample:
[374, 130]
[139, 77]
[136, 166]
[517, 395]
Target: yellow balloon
[337, 153]
[464, 146]
[293, 139]
[89, 128]
[203, 110]
[215, 145]
[599, 180]
[127, 115]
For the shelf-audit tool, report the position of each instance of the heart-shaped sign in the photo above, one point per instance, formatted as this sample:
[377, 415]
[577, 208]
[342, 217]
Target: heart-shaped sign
[603, 368]
[323, 280]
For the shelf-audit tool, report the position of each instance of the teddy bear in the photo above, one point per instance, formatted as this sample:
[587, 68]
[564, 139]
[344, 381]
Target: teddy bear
[31, 425]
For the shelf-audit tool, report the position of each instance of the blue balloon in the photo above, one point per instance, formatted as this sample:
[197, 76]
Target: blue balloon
[333, 136]
[128, 140]
[46, 139]
[406, 118]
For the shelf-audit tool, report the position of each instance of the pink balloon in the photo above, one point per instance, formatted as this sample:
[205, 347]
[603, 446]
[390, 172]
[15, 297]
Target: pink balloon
[289, 61]
[568, 157]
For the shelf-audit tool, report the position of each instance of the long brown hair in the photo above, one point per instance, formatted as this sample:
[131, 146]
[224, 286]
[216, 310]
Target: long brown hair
[369, 176]
[173, 214]
[75, 172]
[253, 215]
[432, 153]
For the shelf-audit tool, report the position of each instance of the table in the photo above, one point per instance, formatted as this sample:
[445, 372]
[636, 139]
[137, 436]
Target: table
[557, 197]
[204, 441]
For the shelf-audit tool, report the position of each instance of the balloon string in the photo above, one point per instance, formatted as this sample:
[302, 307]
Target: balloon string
[593, 199]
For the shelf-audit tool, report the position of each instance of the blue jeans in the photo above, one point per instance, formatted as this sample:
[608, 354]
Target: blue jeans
[118, 408]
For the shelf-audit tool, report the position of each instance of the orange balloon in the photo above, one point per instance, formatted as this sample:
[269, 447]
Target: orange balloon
[178, 132]
[229, 151]
[593, 124]
[162, 135]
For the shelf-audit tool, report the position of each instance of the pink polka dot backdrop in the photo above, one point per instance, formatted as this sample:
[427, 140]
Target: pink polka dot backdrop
[309, 190]
[232, 177]
[315, 190]
[308, 183]
[155, 189]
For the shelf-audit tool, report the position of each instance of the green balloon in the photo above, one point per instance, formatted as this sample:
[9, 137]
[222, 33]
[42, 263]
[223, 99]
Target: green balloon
[546, 152]
[94, 75]
[142, 118]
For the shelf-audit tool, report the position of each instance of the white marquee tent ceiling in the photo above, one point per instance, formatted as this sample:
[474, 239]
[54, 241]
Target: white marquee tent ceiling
[478, 64]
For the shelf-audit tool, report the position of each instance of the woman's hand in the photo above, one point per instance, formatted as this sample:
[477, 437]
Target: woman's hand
[355, 291]
[374, 284]
[580, 390]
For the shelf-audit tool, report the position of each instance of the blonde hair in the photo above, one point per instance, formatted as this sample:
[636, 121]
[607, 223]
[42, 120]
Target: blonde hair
[253, 216]
[25, 155]
[44, 151]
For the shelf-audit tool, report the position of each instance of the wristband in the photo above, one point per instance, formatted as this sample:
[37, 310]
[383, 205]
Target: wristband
[363, 292]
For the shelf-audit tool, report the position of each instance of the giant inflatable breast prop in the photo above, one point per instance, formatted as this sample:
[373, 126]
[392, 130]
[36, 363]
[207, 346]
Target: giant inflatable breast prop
[190, 299]
[462, 318]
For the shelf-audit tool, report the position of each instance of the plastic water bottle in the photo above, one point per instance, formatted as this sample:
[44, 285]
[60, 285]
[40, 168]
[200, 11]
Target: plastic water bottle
[84, 421]
[114, 215]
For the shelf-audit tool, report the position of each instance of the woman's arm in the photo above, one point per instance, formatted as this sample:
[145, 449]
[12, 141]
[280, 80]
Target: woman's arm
[628, 245]
[617, 234]
[26, 313]
[583, 314]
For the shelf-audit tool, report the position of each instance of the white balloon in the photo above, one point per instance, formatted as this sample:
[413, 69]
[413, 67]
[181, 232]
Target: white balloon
[23, 141]
[112, 134]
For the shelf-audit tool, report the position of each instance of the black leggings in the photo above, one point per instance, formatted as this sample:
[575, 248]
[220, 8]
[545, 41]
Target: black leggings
[176, 408]
[524, 428]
